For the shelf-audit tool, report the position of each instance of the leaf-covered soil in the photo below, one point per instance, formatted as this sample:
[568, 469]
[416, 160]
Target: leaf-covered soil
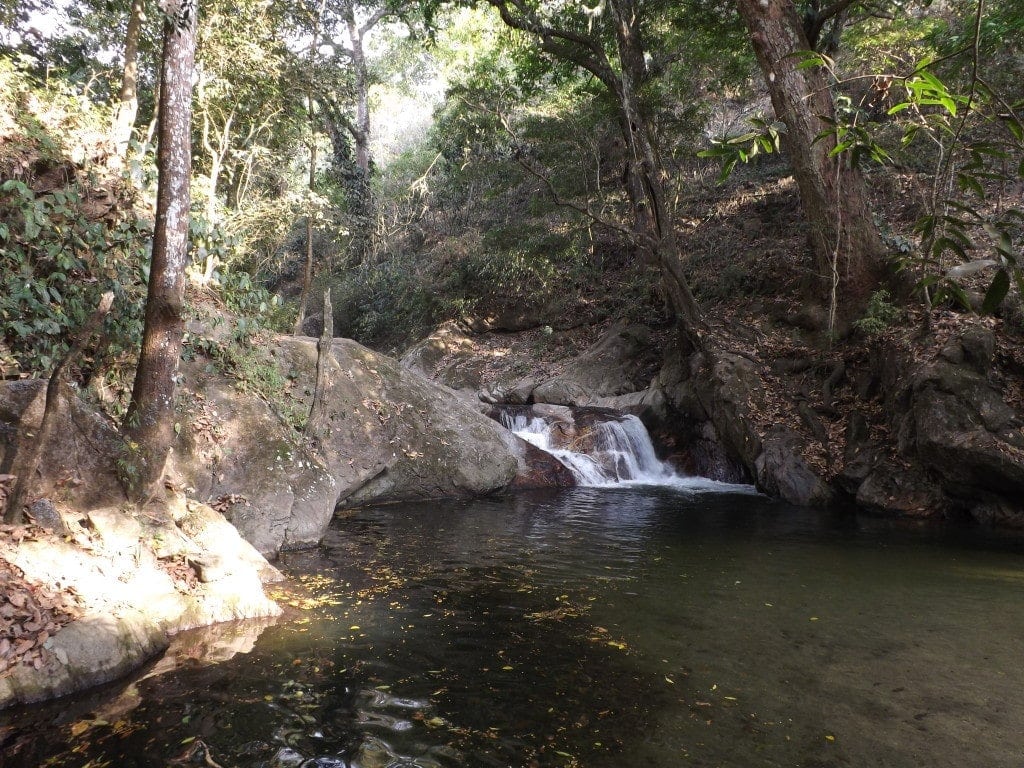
[30, 613]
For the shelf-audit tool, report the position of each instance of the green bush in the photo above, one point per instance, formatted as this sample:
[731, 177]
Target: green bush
[56, 260]
[879, 316]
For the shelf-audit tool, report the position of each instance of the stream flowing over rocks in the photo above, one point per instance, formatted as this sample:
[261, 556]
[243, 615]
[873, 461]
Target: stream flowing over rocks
[384, 434]
[942, 441]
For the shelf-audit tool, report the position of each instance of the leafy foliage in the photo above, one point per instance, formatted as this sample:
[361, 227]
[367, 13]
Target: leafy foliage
[879, 316]
[63, 241]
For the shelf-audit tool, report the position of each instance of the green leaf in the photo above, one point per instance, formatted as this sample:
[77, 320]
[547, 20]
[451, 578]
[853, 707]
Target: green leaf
[996, 292]
[949, 244]
[1016, 128]
[968, 182]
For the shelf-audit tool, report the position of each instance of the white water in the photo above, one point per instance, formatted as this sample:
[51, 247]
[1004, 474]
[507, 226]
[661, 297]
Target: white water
[622, 454]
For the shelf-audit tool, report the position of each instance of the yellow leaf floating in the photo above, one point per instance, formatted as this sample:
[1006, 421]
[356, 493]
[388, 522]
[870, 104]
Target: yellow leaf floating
[617, 644]
[80, 727]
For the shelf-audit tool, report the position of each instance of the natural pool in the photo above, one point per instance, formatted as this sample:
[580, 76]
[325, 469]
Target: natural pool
[593, 627]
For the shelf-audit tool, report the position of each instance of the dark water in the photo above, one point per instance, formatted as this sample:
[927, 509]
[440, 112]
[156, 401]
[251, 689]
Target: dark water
[591, 628]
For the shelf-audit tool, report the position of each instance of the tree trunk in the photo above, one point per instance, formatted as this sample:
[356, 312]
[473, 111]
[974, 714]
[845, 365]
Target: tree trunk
[653, 228]
[848, 251]
[652, 221]
[150, 418]
[317, 427]
[307, 272]
[128, 101]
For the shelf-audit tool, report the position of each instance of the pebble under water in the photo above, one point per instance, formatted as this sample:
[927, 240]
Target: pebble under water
[593, 628]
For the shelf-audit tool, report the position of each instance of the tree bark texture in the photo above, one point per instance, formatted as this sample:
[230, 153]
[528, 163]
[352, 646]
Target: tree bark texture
[646, 171]
[150, 418]
[848, 251]
[128, 100]
[307, 271]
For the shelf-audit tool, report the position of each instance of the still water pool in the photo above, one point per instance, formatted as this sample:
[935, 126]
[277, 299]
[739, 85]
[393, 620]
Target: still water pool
[593, 628]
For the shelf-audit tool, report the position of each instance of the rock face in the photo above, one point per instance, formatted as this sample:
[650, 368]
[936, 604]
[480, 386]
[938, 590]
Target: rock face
[961, 441]
[80, 458]
[447, 356]
[718, 401]
[620, 363]
[234, 446]
[392, 435]
[385, 434]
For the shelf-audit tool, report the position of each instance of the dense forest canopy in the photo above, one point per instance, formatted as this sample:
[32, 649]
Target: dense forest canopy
[432, 161]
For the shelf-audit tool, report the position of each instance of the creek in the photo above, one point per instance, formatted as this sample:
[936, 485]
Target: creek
[594, 627]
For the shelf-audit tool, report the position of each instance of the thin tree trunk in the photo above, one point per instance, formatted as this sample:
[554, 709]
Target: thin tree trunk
[128, 100]
[848, 251]
[307, 274]
[26, 468]
[316, 425]
[150, 418]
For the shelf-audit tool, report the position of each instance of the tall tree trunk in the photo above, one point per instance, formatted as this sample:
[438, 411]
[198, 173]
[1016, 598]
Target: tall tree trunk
[653, 228]
[128, 100]
[848, 250]
[360, 197]
[150, 418]
[307, 271]
[645, 171]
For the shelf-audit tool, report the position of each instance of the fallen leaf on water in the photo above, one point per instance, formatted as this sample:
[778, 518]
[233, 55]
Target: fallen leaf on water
[80, 727]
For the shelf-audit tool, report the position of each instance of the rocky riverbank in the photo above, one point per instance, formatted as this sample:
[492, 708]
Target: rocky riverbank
[88, 597]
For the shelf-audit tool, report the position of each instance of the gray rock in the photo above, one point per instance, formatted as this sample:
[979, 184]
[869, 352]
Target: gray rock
[781, 471]
[979, 345]
[210, 567]
[619, 363]
[902, 491]
[119, 531]
[46, 516]
[289, 494]
[82, 450]
[1002, 513]
[92, 650]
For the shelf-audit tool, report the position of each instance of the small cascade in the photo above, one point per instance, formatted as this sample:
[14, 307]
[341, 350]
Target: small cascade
[603, 449]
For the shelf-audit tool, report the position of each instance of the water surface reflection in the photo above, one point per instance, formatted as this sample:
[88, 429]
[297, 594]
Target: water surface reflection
[598, 628]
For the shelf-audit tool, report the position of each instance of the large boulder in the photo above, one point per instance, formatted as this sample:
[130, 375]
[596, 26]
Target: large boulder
[234, 448]
[448, 356]
[136, 581]
[959, 449]
[389, 434]
[956, 424]
[620, 363]
[721, 397]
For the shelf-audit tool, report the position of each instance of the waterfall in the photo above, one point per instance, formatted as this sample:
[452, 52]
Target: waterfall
[599, 448]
